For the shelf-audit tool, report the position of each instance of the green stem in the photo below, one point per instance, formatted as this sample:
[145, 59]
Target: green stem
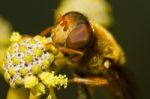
[34, 97]
[52, 94]
[18, 93]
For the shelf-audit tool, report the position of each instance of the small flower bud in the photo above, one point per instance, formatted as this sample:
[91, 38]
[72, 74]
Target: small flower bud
[38, 90]
[36, 69]
[30, 81]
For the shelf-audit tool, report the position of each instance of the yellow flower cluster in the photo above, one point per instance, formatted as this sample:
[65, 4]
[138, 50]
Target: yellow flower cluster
[28, 65]
[49, 79]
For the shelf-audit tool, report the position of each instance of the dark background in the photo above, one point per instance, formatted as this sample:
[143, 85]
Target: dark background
[131, 29]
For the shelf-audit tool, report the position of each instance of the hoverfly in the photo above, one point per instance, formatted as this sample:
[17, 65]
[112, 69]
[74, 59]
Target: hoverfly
[94, 55]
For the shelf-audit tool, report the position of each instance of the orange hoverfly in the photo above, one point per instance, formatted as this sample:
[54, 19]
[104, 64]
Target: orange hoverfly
[96, 58]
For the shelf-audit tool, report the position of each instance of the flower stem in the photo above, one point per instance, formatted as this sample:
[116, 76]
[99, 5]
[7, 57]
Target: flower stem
[18, 93]
[34, 97]
[52, 94]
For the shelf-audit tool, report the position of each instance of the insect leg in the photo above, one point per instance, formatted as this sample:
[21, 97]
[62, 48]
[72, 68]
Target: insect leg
[46, 31]
[85, 92]
[76, 55]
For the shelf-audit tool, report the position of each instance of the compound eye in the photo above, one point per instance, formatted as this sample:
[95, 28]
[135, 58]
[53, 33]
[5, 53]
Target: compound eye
[79, 37]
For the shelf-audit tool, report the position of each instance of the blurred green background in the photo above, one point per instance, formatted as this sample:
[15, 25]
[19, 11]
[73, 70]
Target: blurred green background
[131, 29]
